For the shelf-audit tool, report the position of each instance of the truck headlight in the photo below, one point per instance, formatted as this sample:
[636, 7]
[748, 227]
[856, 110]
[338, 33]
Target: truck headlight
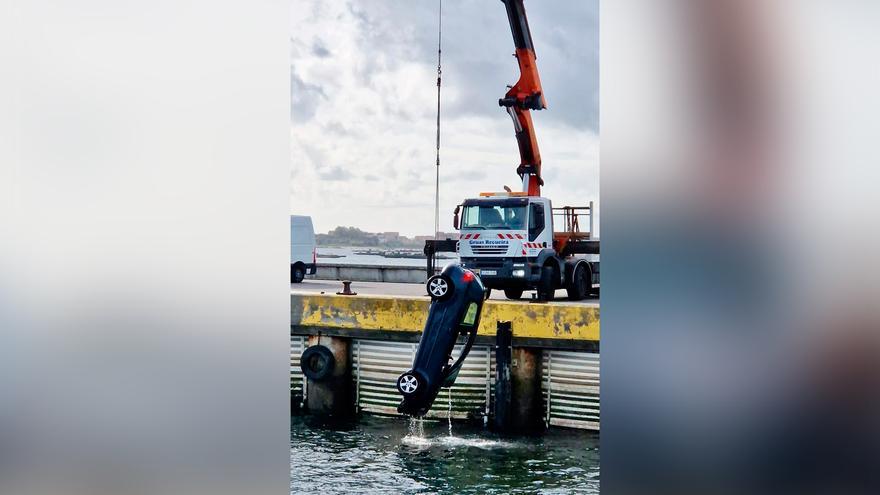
[519, 273]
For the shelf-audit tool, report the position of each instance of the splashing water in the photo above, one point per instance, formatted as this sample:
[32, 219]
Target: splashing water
[449, 411]
[417, 427]
[416, 436]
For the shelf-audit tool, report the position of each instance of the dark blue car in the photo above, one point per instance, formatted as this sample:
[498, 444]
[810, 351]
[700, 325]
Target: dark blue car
[457, 299]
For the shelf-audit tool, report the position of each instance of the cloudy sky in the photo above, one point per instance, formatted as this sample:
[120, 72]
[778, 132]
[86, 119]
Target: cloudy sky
[363, 88]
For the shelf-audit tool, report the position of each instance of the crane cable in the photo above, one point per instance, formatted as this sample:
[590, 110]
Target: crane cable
[439, 72]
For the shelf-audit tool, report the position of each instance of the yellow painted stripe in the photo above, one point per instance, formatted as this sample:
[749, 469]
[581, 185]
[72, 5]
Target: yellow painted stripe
[544, 321]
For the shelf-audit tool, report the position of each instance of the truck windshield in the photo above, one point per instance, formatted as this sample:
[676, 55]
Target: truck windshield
[494, 217]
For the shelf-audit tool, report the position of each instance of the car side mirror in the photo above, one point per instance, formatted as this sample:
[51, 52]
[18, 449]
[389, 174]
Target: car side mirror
[455, 217]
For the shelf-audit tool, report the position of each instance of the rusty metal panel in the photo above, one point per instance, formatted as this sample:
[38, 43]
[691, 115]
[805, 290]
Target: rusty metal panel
[571, 389]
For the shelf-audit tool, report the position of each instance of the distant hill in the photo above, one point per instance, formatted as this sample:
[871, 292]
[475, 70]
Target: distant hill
[353, 236]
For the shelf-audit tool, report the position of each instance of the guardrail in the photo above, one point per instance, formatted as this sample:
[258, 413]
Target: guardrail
[370, 273]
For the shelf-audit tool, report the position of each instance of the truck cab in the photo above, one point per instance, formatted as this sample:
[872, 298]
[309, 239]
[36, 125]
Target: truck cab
[508, 239]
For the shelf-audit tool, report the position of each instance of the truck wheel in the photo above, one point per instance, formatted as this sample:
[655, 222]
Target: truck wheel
[546, 288]
[513, 294]
[579, 287]
[297, 273]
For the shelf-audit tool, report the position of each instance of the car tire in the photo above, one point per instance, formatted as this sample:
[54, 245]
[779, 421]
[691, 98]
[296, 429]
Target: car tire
[317, 362]
[546, 289]
[297, 273]
[579, 286]
[440, 287]
[513, 294]
[408, 384]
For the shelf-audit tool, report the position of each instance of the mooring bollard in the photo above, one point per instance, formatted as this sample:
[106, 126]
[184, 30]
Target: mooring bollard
[346, 289]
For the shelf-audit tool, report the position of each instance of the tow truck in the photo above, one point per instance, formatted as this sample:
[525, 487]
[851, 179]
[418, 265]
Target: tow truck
[509, 238]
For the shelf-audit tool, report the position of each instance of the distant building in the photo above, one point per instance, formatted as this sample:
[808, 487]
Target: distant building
[388, 237]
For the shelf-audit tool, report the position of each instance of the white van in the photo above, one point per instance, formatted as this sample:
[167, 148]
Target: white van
[302, 248]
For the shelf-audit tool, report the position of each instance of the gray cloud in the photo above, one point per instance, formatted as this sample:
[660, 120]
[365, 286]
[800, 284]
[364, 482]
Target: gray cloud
[319, 49]
[334, 174]
[477, 46]
[471, 175]
[304, 98]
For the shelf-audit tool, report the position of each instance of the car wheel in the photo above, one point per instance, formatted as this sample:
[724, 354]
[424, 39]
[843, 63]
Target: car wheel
[440, 287]
[579, 286]
[297, 273]
[513, 294]
[408, 384]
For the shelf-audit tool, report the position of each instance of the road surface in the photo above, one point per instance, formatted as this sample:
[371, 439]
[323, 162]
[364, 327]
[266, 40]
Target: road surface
[407, 290]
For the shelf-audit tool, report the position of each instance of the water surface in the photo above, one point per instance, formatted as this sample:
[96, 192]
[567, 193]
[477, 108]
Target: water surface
[383, 455]
[350, 258]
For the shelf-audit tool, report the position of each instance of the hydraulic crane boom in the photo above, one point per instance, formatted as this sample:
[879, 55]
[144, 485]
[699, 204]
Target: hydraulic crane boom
[523, 96]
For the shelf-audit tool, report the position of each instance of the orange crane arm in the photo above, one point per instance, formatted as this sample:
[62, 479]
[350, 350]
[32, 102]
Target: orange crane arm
[524, 96]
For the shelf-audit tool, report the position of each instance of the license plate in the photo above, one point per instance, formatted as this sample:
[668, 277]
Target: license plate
[488, 272]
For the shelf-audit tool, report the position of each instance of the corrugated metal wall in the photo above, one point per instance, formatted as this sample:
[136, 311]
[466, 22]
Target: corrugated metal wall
[571, 389]
[570, 381]
[297, 346]
[377, 364]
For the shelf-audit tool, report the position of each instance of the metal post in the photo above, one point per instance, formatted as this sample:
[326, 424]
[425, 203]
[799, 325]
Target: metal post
[591, 220]
[549, 384]
[503, 340]
[357, 387]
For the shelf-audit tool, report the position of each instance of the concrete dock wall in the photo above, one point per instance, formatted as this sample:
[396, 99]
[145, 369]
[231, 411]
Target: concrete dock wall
[370, 273]
[561, 325]
[554, 373]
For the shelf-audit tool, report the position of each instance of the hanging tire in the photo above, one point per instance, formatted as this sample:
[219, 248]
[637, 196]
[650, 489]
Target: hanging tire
[297, 273]
[440, 287]
[546, 288]
[513, 294]
[579, 286]
[317, 363]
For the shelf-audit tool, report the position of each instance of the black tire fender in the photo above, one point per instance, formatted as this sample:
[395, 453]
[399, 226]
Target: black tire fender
[317, 363]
